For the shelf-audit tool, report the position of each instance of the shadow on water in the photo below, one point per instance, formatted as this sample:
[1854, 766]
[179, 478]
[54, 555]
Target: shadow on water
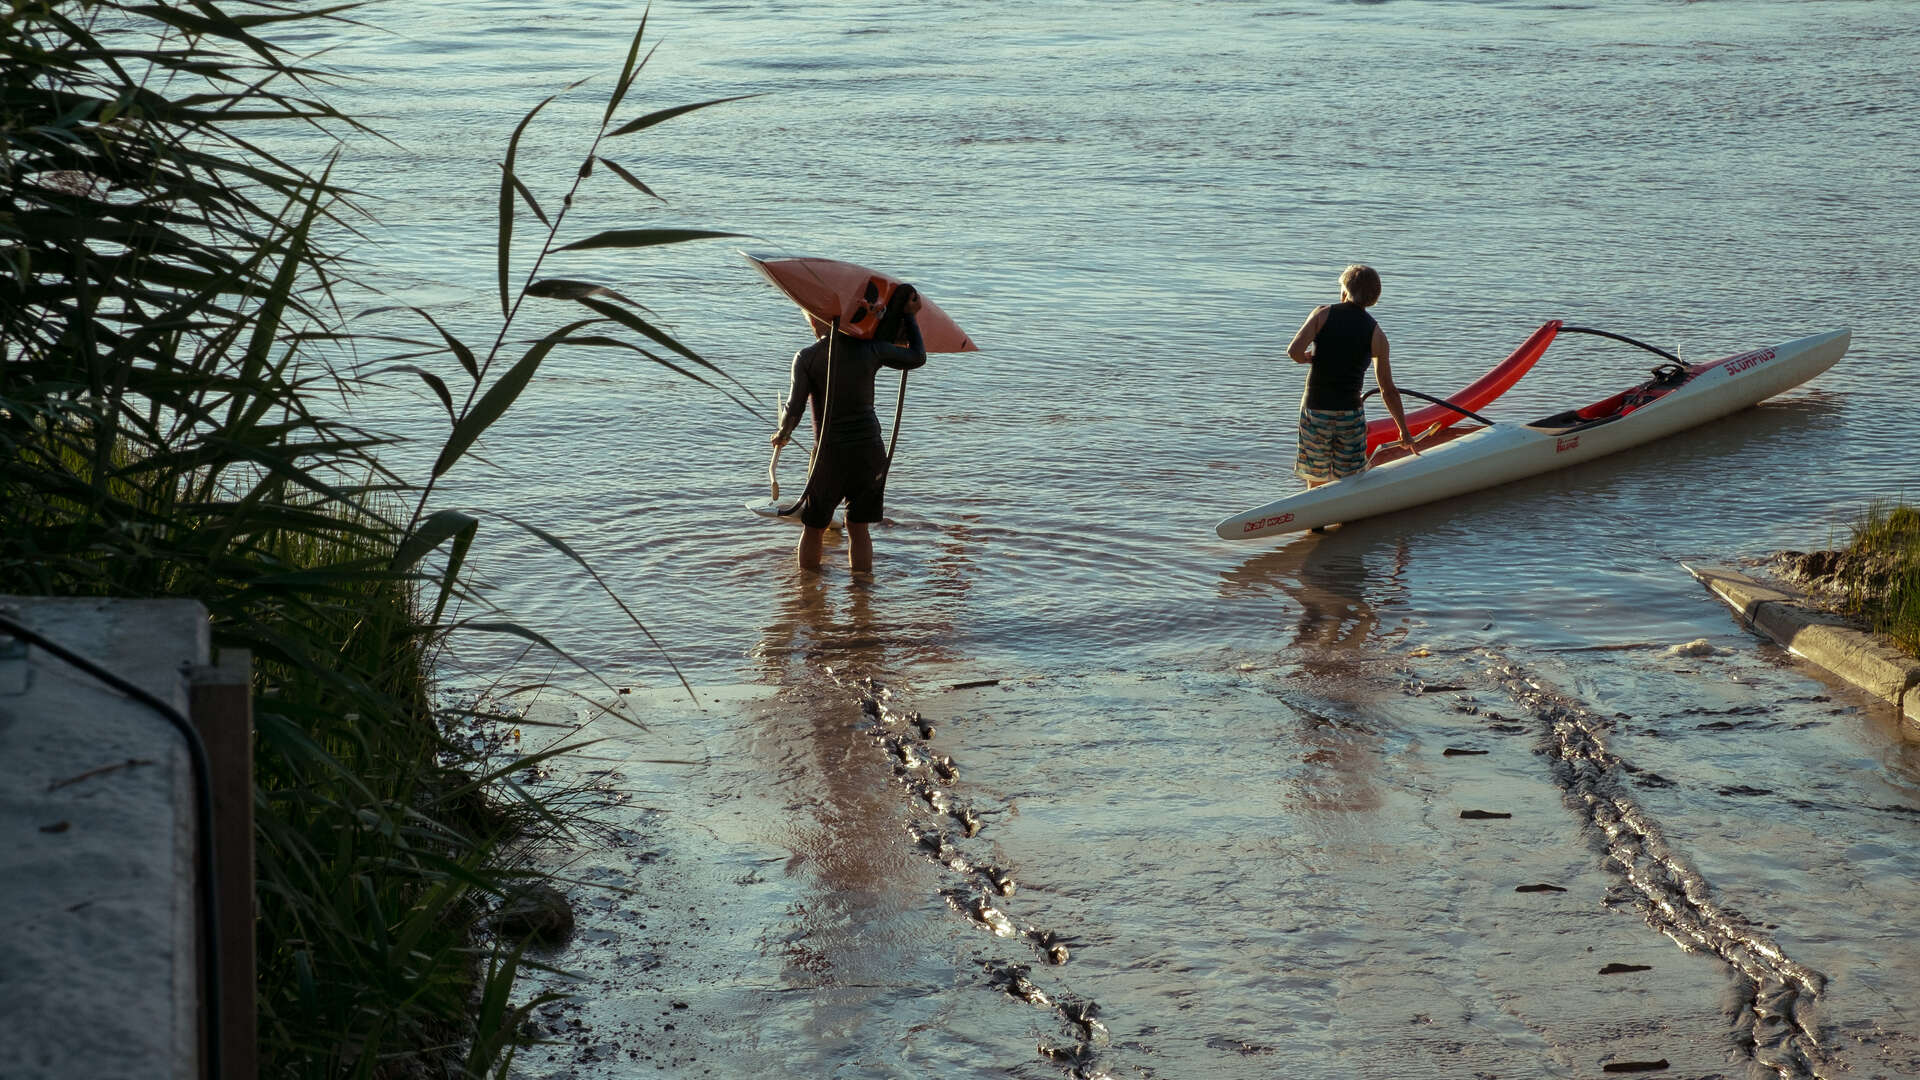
[818, 625]
[837, 938]
[1718, 461]
[1720, 464]
[881, 625]
[1563, 559]
[866, 937]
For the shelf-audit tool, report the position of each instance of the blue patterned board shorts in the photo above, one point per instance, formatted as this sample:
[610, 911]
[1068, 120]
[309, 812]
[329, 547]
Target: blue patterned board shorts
[1333, 444]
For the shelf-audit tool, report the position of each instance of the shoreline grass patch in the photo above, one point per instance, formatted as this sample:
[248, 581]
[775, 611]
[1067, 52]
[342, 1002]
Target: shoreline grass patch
[1880, 569]
[1874, 578]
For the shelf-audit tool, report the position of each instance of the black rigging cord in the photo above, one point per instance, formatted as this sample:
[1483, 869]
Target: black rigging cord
[899, 408]
[820, 433]
[206, 887]
[826, 411]
[1662, 373]
[1435, 400]
[1622, 337]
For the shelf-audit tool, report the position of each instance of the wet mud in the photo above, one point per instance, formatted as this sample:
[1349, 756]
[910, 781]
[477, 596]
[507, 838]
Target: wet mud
[1798, 749]
[980, 891]
[1839, 578]
[1775, 997]
[1341, 861]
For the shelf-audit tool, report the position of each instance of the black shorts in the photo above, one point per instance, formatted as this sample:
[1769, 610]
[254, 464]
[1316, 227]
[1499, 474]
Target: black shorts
[850, 473]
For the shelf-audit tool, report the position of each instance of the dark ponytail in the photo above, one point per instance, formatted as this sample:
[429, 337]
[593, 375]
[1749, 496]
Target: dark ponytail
[893, 324]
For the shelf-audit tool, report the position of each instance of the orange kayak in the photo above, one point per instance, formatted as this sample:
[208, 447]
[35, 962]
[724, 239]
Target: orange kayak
[830, 292]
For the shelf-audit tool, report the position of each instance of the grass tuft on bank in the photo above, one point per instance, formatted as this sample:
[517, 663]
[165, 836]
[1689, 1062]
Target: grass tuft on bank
[1880, 571]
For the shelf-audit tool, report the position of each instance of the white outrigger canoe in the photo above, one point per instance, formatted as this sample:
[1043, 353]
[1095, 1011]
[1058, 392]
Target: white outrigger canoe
[1676, 398]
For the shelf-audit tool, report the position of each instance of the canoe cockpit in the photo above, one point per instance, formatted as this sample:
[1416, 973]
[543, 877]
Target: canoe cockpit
[1667, 377]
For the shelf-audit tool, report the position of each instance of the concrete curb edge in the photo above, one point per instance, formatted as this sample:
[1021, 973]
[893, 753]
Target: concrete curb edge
[1858, 656]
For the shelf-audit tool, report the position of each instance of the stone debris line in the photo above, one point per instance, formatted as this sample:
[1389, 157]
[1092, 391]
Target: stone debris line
[1776, 997]
[928, 777]
[1082, 1018]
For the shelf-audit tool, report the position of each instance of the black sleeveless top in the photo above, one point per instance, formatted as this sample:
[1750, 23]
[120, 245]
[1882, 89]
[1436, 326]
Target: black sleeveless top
[1342, 353]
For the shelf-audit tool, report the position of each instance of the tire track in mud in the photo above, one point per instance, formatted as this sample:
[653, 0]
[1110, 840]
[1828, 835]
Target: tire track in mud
[1775, 999]
[929, 778]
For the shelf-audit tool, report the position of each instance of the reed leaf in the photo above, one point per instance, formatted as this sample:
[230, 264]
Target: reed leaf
[600, 341]
[526, 196]
[623, 174]
[454, 345]
[507, 182]
[439, 527]
[434, 383]
[499, 398]
[635, 322]
[562, 547]
[639, 238]
[663, 115]
[564, 289]
[451, 577]
[628, 70]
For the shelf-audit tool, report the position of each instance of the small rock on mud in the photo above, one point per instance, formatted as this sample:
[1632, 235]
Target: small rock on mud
[541, 913]
[1696, 647]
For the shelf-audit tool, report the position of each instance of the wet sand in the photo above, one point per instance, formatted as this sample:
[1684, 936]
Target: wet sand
[1340, 862]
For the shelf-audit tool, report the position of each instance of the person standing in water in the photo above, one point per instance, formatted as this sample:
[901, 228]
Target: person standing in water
[1341, 341]
[835, 374]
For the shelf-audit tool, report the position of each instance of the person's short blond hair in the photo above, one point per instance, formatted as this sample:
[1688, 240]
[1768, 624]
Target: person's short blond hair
[1362, 283]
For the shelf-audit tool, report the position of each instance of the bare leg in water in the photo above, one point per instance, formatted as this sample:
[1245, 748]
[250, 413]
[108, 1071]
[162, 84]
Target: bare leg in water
[859, 548]
[811, 540]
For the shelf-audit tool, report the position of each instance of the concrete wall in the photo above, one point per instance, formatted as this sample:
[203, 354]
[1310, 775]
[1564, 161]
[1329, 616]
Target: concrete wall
[98, 970]
[1862, 658]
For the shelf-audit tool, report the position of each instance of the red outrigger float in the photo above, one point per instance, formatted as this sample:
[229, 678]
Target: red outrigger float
[1424, 423]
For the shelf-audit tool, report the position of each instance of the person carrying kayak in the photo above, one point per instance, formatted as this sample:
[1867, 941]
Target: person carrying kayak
[835, 374]
[1341, 341]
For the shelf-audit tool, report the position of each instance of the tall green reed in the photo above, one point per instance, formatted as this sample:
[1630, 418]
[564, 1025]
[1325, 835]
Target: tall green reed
[170, 330]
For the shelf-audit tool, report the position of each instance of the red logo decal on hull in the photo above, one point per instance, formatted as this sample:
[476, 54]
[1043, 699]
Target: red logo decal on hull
[1747, 360]
[1266, 522]
[1566, 443]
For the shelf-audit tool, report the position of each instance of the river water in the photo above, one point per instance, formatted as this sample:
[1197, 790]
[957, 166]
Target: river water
[1218, 771]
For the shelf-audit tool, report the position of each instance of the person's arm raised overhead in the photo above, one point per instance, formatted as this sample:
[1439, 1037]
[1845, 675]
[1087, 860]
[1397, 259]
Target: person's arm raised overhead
[914, 353]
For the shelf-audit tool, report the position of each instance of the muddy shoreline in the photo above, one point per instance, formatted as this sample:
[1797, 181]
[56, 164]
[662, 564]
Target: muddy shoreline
[941, 881]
